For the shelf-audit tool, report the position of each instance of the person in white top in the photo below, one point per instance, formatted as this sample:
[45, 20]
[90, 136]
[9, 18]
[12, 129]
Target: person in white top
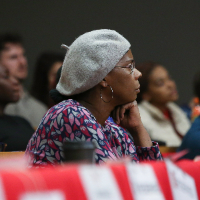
[12, 56]
[162, 118]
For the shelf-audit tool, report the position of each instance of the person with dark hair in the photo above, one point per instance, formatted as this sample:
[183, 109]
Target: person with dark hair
[191, 140]
[98, 78]
[12, 56]
[46, 69]
[163, 119]
[58, 75]
[15, 131]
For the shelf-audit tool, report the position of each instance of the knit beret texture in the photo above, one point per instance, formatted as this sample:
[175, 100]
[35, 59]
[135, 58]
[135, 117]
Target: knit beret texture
[89, 59]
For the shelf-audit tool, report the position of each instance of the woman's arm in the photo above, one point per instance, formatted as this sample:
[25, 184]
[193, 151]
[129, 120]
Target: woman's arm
[128, 116]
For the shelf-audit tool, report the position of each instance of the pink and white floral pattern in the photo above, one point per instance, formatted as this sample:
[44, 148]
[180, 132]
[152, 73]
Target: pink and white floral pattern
[69, 120]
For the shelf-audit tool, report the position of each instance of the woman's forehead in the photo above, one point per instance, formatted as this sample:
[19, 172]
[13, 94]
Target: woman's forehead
[128, 57]
[158, 73]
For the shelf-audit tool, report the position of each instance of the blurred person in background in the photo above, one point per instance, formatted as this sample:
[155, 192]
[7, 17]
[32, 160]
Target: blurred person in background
[15, 131]
[163, 119]
[191, 140]
[12, 56]
[44, 80]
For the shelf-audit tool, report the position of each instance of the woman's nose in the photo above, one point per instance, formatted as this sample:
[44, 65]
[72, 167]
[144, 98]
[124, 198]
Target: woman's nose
[171, 83]
[23, 60]
[137, 74]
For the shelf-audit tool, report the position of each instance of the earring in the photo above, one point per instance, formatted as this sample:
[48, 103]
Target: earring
[102, 97]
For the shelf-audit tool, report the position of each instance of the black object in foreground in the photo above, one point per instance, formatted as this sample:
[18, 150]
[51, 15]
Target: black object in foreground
[83, 151]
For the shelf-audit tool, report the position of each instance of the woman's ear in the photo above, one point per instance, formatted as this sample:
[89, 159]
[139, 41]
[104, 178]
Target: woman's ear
[103, 83]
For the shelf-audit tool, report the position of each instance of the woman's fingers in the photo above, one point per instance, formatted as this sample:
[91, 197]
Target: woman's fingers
[124, 108]
[114, 115]
[119, 112]
[122, 111]
[117, 115]
[135, 103]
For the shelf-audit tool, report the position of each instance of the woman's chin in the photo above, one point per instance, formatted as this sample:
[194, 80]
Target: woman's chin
[133, 99]
[15, 98]
[174, 98]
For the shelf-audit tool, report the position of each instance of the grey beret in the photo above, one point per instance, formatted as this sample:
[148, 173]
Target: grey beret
[89, 59]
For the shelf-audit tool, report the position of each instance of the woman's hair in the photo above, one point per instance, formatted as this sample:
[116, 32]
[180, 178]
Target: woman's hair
[44, 63]
[54, 94]
[146, 69]
[57, 96]
[196, 84]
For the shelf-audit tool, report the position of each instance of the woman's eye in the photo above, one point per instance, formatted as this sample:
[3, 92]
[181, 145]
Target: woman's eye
[160, 84]
[130, 66]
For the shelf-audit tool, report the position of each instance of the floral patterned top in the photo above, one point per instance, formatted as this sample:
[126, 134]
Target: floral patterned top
[70, 121]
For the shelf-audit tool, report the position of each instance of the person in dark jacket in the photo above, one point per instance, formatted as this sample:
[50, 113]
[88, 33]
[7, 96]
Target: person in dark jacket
[191, 141]
[15, 131]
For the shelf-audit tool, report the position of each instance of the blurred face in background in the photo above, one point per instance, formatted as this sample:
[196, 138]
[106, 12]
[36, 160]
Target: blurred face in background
[52, 75]
[14, 59]
[9, 87]
[161, 89]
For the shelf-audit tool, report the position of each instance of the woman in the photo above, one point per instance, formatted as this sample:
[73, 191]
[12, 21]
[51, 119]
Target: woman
[47, 66]
[98, 78]
[163, 119]
[15, 131]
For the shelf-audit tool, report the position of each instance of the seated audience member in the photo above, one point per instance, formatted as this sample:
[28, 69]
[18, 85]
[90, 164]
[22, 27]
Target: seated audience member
[15, 131]
[12, 56]
[58, 75]
[191, 140]
[98, 77]
[46, 69]
[162, 118]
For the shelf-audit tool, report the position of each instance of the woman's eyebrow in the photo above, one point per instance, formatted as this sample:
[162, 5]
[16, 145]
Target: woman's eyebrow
[159, 79]
[132, 60]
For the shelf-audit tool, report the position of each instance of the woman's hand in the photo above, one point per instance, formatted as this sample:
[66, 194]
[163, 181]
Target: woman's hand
[128, 116]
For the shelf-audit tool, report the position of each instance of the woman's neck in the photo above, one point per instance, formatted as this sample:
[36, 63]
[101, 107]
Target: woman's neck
[161, 107]
[100, 110]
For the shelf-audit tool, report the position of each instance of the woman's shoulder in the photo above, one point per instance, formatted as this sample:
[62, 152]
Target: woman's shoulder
[68, 108]
[67, 104]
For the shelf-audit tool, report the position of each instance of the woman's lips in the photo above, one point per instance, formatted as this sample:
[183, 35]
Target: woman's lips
[174, 92]
[138, 89]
